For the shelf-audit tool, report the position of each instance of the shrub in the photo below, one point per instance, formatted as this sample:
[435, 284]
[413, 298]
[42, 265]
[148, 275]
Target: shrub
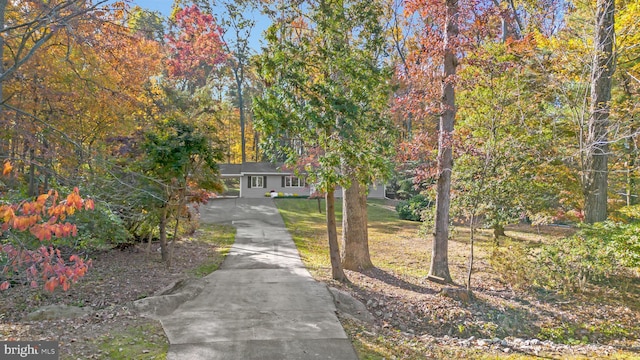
[99, 229]
[593, 255]
[571, 263]
[514, 263]
[413, 208]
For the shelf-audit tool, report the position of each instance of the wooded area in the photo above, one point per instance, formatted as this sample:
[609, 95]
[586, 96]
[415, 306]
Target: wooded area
[480, 116]
[485, 112]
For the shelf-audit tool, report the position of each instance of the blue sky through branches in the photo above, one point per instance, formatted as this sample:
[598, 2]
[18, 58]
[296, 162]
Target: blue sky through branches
[164, 7]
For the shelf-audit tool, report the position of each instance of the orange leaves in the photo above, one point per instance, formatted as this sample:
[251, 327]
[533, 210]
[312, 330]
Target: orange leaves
[30, 215]
[522, 47]
[74, 200]
[6, 213]
[23, 223]
[50, 285]
[89, 205]
[44, 264]
[7, 168]
[46, 231]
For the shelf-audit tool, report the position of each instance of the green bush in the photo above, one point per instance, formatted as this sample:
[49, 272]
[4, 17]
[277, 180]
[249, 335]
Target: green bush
[99, 229]
[593, 255]
[571, 263]
[413, 208]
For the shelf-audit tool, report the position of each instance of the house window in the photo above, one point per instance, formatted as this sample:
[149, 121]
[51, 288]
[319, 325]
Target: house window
[257, 182]
[293, 181]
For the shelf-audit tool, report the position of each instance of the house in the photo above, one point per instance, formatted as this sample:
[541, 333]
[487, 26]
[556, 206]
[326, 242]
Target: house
[259, 178]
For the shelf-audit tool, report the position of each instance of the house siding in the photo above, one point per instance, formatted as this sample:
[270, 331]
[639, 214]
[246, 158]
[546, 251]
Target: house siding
[274, 182]
[274, 175]
[375, 192]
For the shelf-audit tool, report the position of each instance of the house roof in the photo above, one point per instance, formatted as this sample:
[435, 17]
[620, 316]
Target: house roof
[252, 168]
[230, 169]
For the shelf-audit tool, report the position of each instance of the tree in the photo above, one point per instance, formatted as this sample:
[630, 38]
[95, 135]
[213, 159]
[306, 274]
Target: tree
[237, 25]
[27, 25]
[581, 72]
[354, 250]
[502, 172]
[437, 49]
[185, 160]
[328, 93]
[237, 44]
[624, 104]
[64, 104]
[450, 32]
[148, 23]
[195, 47]
[597, 147]
[439, 256]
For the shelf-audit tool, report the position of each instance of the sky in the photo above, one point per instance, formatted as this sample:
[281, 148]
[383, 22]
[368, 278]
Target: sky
[164, 7]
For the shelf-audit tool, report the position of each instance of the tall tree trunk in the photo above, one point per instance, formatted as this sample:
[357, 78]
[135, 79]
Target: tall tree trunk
[595, 187]
[32, 172]
[162, 228]
[631, 193]
[172, 243]
[440, 258]
[256, 145]
[239, 75]
[4, 123]
[631, 151]
[354, 252]
[332, 233]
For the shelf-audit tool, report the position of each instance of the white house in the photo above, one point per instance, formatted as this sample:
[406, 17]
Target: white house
[259, 178]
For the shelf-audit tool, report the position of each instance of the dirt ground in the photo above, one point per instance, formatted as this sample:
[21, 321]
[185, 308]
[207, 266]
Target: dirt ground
[412, 317]
[600, 322]
[116, 279]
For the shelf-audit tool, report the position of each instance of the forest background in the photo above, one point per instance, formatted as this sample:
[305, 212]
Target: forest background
[114, 120]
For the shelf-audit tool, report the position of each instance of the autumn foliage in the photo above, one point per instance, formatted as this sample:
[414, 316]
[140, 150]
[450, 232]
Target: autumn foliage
[195, 47]
[44, 218]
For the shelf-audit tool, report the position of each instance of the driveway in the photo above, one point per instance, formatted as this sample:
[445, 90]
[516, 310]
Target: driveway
[262, 303]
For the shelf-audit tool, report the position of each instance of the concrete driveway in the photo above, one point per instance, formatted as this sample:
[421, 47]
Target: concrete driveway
[262, 303]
